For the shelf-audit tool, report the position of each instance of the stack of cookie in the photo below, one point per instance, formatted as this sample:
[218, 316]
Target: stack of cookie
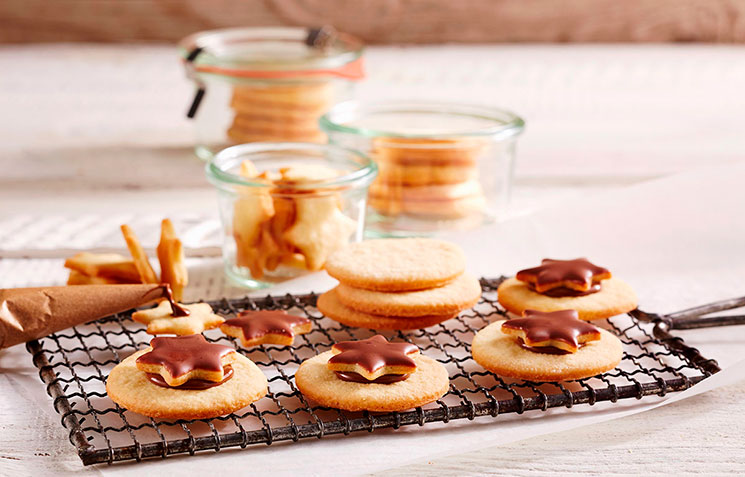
[276, 113]
[427, 177]
[398, 284]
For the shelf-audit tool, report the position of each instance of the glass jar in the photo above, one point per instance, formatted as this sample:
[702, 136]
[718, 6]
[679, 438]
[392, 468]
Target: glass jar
[441, 166]
[286, 206]
[266, 84]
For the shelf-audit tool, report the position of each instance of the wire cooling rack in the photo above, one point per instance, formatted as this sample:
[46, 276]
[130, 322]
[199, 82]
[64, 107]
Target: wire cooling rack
[74, 364]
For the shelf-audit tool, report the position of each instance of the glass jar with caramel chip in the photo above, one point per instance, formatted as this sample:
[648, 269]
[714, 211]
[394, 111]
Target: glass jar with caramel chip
[441, 166]
[286, 206]
[266, 84]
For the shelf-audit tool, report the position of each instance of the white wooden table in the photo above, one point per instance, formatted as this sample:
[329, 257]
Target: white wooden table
[98, 128]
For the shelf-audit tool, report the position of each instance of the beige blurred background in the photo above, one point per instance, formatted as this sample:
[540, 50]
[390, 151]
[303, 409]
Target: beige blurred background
[381, 21]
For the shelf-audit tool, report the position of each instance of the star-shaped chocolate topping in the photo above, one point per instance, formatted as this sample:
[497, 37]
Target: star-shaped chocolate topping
[266, 326]
[562, 330]
[570, 277]
[181, 358]
[373, 357]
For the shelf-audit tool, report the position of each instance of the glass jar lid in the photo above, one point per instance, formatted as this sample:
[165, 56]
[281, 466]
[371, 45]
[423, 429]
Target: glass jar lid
[419, 120]
[273, 53]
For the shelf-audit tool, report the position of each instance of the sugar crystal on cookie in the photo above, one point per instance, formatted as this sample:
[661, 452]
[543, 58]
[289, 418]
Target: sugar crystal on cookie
[559, 330]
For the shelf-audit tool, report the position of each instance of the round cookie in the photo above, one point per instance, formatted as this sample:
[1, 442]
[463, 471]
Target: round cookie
[459, 294]
[397, 264]
[428, 151]
[443, 200]
[330, 306]
[261, 124]
[130, 388]
[503, 355]
[444, 209]
[424, 174]
[311, 96]
[428, 383]
[241, 136]
[614, 298]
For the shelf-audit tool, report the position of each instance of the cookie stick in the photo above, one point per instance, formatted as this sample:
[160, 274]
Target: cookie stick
[147, 274]
[171, 257]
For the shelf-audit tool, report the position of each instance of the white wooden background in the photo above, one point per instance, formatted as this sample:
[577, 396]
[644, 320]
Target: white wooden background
[102, 128]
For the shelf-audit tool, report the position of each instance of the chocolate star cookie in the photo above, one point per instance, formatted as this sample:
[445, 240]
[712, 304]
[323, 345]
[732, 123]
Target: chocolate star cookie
[565, 277]
[184, 358]
[372, 375]
[560, 330]
[185, 377]
[567, 285]
[553, 346]
[373, 358]
[161, 319]
[266, 327]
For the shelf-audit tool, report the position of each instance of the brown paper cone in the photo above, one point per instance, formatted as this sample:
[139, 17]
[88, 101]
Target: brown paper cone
[30, 313]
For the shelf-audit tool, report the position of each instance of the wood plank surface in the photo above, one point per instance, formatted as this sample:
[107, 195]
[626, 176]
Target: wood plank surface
[381, 21]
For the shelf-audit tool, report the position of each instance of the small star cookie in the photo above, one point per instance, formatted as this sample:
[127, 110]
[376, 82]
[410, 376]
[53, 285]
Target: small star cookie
[252, 209]
[160, 320]
[255, 328]
[319, 229]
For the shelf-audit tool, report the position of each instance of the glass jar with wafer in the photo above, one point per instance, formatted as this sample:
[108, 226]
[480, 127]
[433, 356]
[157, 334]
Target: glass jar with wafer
[286, 206]
[266, 84]
[441, 166]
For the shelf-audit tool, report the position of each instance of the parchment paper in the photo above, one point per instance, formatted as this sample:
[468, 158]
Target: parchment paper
[678, 241]
[30, 313]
